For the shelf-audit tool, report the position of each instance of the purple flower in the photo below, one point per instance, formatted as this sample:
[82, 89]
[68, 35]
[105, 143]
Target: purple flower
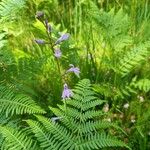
[73, 69]
[63, 38]
[39, 41]
[57, 53]
[67, 93]
[39, 15]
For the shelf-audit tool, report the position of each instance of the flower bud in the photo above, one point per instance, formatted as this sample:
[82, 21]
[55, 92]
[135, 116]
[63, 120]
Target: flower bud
[48, 26]
[39, 41]
[40, 15]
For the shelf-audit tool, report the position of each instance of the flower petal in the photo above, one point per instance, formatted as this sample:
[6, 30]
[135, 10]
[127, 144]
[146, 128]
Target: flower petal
[63, 37]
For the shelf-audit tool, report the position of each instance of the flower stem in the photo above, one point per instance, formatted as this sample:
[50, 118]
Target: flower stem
[52, 48]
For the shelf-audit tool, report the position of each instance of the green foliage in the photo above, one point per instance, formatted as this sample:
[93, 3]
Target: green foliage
[15, 139]
[143, 85]
[109, 42]
[12, 103]
[77, 128]
[2, 40]
[133, 58]
[10, 8]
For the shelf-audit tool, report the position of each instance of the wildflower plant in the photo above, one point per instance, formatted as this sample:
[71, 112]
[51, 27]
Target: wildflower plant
[78, 125]
[113, 51]
[54, 45]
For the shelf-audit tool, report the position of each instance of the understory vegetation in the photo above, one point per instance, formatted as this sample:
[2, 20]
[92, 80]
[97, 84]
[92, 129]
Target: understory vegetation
[74, 74]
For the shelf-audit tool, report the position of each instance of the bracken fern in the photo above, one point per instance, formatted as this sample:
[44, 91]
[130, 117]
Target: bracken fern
[80, 125]
[11, 103]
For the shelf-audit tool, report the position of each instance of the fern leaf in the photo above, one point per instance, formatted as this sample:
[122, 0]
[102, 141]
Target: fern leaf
[2, 41]
[16, 139]
[79, 126]
[10, 8]
[45, 138]
[93, 103]
[97, 125]
[61, 134]
[143, 85]
[17, 104]
[100, 141]
[132, 58]
[79, 117]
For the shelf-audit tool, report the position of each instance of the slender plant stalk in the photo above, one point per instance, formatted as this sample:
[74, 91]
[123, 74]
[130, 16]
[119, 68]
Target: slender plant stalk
[52, 48]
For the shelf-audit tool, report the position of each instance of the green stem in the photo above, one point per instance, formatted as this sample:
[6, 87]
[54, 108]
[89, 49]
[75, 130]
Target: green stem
[52, 48]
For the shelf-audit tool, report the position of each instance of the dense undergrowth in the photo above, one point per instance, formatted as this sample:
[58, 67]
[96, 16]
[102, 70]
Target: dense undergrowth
[74, 74]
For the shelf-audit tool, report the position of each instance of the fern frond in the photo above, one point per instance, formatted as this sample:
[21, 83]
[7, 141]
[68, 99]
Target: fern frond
[84, 116]
[111, 24]
[45, 138]
[12, 103]
[16, 139]
[72, 112]
[60, 133]
[97, 126]
[143, 85]
[133, 58]
[97, 141]
[3, 118]
[93, 103]
[2, 41]
[78, 126]
[10, 8]
[79, 116]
